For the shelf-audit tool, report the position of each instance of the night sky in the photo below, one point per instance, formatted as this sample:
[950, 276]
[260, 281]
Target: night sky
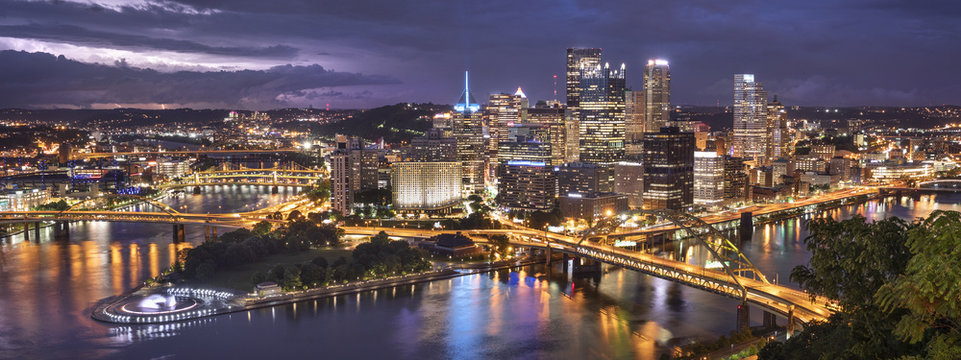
[260, 54]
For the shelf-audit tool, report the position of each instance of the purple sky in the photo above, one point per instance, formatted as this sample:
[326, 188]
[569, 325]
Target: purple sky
[258, 54]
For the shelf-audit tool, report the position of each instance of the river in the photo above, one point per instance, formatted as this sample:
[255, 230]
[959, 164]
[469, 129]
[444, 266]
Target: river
[47, 289]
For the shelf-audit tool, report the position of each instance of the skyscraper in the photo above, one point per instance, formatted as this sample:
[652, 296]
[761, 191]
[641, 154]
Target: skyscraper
[467, 125]
[577, 59]
[668, 169]
[708, 179]
[526, 179]
[352, 169]
[657, 94]
[554, 120]
[634, 123]
[504, 110]
[750, 136]
[777, 128]
[601, 111]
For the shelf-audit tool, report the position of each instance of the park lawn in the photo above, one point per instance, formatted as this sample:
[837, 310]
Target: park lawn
[239, 278]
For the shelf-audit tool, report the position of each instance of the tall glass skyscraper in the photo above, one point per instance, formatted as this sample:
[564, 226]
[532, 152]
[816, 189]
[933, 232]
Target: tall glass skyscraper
[601, 108]
[777, 128]
[750, 137]
[467, 125]
[577, 59]
[657, 94]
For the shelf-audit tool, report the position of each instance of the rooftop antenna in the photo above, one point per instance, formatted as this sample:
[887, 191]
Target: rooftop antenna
[555, 87]
[466, 90]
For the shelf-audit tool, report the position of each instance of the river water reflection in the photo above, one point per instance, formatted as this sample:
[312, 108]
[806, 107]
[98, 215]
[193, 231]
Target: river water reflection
[46, 291]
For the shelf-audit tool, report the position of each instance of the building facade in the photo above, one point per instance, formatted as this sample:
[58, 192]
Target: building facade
[657, 94]
[668, 169]
[601, 114]
[708, 179]
[750, 137]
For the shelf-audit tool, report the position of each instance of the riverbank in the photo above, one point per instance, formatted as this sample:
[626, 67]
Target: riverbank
[212, 302]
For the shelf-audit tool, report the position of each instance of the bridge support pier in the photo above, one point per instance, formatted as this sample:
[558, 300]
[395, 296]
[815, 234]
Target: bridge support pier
[61, 230]
[210, 233]
[585, 265]
[274, 190]
[743, 317]
[36, 231]
[567, 259]
[179, 233]
[746, 227]
[198, 190]
[790, 320]
[26, 231]
[769, 319]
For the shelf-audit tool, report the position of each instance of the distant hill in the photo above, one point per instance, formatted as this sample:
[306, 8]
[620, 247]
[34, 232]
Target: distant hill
[394, 123]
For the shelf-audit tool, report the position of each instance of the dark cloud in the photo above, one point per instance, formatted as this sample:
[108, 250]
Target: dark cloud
[815, 52]
[79, 35]
[40, 79]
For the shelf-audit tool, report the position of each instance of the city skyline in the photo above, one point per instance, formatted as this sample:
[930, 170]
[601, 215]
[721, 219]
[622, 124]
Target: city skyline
[388, 53]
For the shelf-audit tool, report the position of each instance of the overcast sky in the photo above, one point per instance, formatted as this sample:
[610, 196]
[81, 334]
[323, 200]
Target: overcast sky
[259, 54]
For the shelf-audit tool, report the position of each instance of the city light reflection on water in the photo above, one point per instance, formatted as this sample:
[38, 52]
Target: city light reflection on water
[46, 290]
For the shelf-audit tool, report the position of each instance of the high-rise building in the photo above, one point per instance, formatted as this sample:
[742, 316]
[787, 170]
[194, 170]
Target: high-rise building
[708, 179]
[601, 109]
[735, 180]
[572, 125]
[555, 121]
[634, 123]
[584, 179]
[353, 168]
[426, 186]
[576, 60]
[750, 136]
[657, 94]
[777, 128]
[629, 181]
[433, 146]
[504, 110]
[526, 179]
[526, 185]
[467, 125]
[668, 169]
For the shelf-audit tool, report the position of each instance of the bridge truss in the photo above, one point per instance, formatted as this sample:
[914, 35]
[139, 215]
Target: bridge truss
[734, 263]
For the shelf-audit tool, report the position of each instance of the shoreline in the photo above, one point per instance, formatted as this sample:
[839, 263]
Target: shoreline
[103, 310]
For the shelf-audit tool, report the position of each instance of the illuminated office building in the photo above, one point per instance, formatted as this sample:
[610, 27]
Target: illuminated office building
[601, 109]
[426, 187]
[750, 136]
[735, 180]
[504, 110]
[353, 168]
[708, 179]
[526, 179]
[657, 95]
[554, 119]
[777, 128]
[634, 123]
[576, 60]
[668, 169]
[467, 126]
[629, 181]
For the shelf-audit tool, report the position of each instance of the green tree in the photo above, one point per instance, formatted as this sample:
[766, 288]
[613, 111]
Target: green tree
[262, 228]
[930, 288]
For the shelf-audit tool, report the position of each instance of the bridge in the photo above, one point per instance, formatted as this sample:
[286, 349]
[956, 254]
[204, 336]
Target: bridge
[94, 155]
[231, 174]
[729, 273]
[111, 208]
[730, 220]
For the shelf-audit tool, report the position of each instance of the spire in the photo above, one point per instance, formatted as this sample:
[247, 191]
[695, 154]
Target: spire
[520, 92]
[466, 103]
